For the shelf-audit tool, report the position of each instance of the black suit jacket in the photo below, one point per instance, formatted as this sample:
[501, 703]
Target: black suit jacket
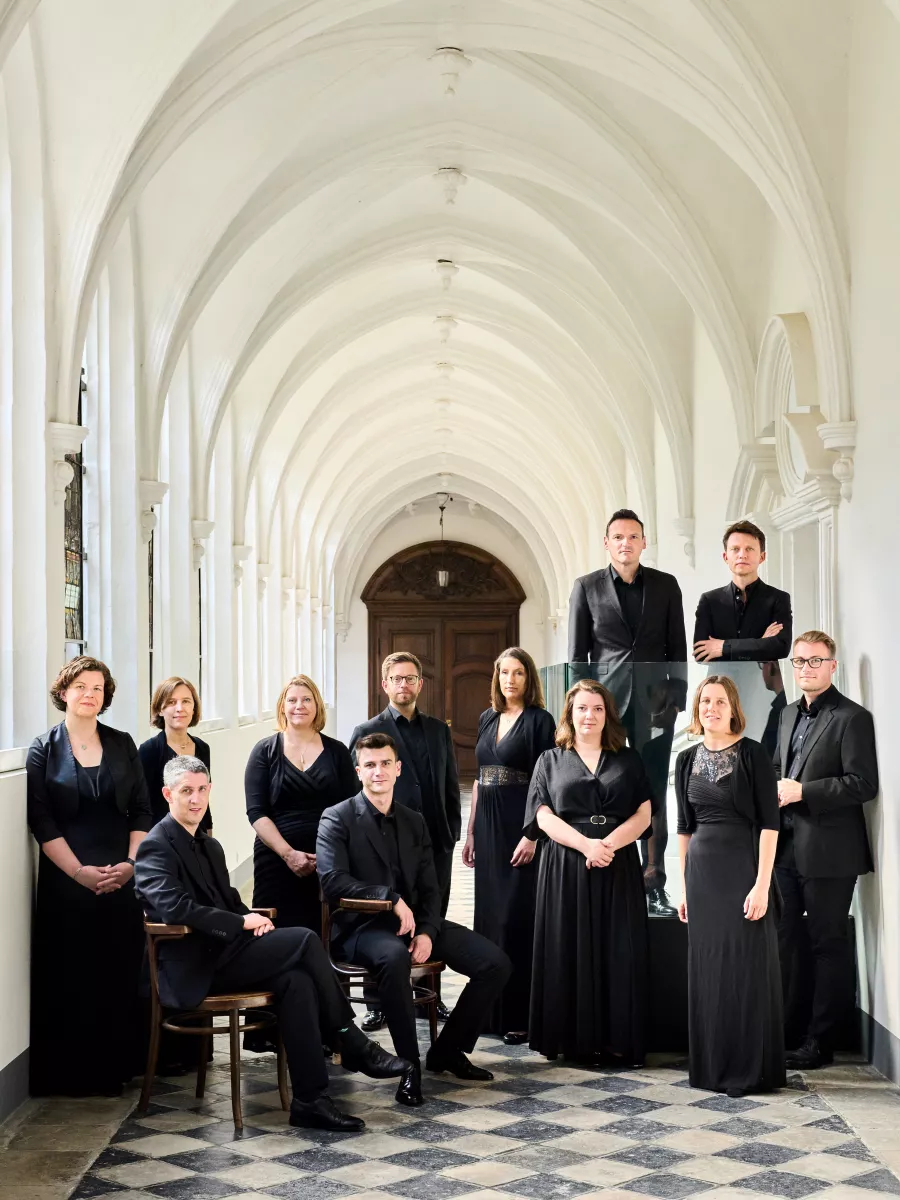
[766, 605]
[839, 773]
[598, 631]
[155, 753]
[351, 864]
[53, 780]
[172, 890]
[446, 821]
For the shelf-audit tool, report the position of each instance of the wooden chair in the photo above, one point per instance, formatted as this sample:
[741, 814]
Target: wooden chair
[423, 976]
[199, 1022]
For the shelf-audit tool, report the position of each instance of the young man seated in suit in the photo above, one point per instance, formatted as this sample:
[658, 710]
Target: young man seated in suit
[827, 770]
[429, 783]
[369, 848]
[181, 879]
[747, 620]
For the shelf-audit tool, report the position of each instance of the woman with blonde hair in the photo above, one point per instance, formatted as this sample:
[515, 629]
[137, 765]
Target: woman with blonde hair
[590, 978]
[727, 836]
[291, 778]
[174, 709]
[512, 735]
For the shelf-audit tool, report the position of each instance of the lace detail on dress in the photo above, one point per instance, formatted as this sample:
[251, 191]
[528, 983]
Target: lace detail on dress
[713, 765]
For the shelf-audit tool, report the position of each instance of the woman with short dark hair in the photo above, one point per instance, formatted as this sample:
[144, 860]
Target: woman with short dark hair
[174, 709]
[88, 810]
[728, 824]
[512, 735]
[590, 978]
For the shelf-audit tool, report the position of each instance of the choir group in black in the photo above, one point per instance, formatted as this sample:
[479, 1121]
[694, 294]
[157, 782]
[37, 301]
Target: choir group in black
[566, 835]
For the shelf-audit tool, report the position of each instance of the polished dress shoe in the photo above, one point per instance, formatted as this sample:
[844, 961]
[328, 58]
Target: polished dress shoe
[372, 1021]
[409, 1090]
[811, 1055]
[372, 1060]
[322, 1113]
[457, 1064]
[514, 1039]
[443, 1012]
[658, 904]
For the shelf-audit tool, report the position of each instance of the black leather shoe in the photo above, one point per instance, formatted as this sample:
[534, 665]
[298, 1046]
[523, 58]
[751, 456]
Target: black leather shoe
[372, 1060]
[515, 1039]
[323, 1114]
[409, 1091]
[372, 1021]
[658, 904]
[457, 1064]
[811, 1055]
[443, 1011]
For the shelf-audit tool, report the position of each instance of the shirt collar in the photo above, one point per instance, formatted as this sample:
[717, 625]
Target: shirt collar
[182, 833]
[376, 812]
[617, 578]
[821, 701]
[398, 716]
[748, 590]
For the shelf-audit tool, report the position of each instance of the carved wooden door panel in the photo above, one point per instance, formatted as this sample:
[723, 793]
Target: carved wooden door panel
[420, 635]
[470, 646]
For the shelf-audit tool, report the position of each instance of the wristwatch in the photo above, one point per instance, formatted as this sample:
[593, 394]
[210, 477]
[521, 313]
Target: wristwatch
[130, 862]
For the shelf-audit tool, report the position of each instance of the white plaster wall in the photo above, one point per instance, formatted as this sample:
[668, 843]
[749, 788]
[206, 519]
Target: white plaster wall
[229, 750]
[16, 859]
[869, 575]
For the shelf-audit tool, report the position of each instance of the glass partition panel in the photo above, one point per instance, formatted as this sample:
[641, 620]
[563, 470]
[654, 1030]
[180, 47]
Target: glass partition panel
[655, 702]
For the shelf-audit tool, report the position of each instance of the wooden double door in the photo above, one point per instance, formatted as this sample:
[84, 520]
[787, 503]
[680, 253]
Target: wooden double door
[457, 654]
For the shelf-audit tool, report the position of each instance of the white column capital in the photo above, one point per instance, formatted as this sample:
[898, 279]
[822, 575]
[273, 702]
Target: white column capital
[684, 527]
[263, 571]
[239, 555]
[840, 437]
[63, 439]
[150, 492]
[200, 531]
[341, 626]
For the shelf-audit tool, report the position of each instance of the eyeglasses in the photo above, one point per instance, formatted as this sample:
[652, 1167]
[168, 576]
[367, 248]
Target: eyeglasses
[809, 662]
[410, 679]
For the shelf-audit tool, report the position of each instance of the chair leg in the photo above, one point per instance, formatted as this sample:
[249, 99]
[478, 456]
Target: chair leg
[282, 1075]
[234, 1021]
[152, 1055]
[205, 1044]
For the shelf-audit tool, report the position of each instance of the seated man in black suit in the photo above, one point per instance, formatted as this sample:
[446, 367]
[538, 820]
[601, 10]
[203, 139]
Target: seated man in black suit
[827, 769]
[181, 879]
[747, 620]
[369, 848]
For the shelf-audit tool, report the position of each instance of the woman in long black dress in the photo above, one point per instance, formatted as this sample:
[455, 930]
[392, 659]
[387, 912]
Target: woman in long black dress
[727, 834]
[88, 809]
[512, 734]
[291, 778]
[591, 797]
[174, 709]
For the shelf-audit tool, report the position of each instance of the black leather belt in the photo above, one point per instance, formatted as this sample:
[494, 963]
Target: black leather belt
[498, 776]
[597, 826]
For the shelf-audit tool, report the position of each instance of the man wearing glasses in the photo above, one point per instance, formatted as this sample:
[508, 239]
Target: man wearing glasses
[428, 780]
[827, 768]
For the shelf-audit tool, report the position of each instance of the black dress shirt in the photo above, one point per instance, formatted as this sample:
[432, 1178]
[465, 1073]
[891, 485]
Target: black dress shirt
[413, 733]
[741, 600]
[630, 597]
[196, 846]
[387, 825]
[803, 726]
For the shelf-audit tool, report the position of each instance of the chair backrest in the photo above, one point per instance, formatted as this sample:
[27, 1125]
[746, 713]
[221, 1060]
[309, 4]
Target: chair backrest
[156, 932]
[347, 904]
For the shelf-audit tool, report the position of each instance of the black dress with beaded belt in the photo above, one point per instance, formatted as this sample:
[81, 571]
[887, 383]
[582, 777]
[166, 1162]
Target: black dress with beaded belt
[504, 894]
[590, 980]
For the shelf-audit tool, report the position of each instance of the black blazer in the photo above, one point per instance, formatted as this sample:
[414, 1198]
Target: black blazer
[155, 753]
[351, 863]
[754, 787]
[839, 773]
[598, 632]
[765, 606]
[53, 780]
[173, 892]
[444, 773]
[264, 774]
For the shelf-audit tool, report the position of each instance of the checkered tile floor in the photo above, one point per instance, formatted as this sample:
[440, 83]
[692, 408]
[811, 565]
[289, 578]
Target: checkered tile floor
[540, 1130]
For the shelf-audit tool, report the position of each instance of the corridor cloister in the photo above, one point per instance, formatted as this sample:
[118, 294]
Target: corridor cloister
[280, 277]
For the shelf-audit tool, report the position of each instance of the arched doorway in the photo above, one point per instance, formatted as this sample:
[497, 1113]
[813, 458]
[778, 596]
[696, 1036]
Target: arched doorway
[457, 631]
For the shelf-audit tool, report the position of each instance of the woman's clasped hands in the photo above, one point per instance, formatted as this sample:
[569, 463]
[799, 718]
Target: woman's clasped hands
[598, 853]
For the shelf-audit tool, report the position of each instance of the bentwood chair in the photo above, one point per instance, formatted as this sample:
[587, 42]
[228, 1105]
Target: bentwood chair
[200, 1022]
[423, 976]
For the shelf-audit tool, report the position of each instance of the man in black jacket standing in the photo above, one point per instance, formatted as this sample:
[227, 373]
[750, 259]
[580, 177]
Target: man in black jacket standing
[625, 614]
[429, 781]
[369, 848]
[747, 620]
[828, 769]
[181, 879]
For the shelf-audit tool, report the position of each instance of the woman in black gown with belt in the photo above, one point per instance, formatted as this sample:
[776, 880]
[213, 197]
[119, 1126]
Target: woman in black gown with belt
[591, 797]
[291, 778]
[174, 709]
[727, 834]
[88, 810]
[512, 735]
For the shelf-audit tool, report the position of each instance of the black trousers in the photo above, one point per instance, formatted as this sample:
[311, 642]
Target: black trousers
[822, 941]
[293, 964]
[381, 951]
[656, 753]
